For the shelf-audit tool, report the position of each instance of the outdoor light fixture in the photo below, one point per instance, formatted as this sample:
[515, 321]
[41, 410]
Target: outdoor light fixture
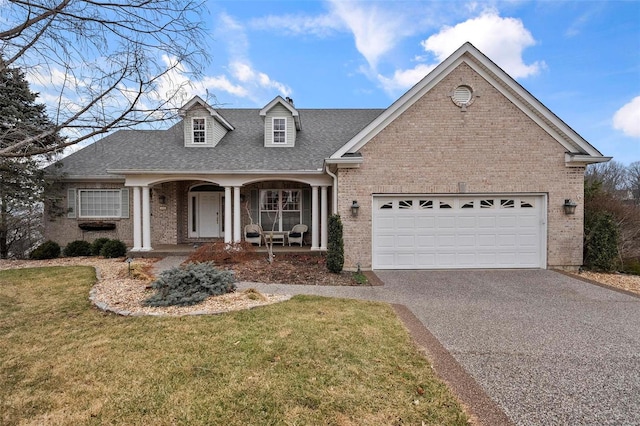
[162, 199]
[354, 208]
[569, 206]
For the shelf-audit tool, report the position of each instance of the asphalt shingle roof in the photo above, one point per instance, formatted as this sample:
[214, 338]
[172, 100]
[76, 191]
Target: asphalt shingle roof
[323, 132]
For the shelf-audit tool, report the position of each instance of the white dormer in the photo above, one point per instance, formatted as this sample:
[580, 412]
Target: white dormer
[203, 126]
[281, 123]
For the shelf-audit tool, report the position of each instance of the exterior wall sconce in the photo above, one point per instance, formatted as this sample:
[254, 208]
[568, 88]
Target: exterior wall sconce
[162, 199]
[354, 208]
[569, 206]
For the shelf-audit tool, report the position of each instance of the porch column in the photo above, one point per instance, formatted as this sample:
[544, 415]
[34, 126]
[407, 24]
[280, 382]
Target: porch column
[137, 220]
[227, 214]
[146, 220]
[236, 214]
[324, 236]
[314, 218]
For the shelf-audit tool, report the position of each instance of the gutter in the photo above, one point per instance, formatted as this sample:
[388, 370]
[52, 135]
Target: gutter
[334, 204]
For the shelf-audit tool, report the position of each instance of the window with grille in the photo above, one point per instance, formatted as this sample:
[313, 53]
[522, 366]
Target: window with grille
[280, 210]
[100, 203]
[280, 130]
[199, 130]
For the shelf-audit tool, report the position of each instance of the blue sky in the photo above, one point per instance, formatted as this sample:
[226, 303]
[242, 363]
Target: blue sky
[579, 58]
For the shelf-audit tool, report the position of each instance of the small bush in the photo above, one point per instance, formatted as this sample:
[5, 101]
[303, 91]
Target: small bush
[190, 284]
[222, 253]
[335, 245]
[47, 250]
[113, 248]
[96, 246]
[78, 248]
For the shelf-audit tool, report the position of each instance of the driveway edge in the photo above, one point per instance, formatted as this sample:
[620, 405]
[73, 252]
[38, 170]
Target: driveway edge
[481, 409]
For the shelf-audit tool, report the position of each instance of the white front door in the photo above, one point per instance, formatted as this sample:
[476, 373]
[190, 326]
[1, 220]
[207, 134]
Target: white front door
[204, 215]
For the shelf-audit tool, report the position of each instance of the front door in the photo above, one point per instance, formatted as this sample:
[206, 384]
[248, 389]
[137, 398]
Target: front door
[204, 215]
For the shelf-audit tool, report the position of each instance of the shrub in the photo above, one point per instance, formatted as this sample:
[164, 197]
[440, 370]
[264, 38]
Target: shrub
[601, 235]
[47, 250]
[96, 246]
[222, 253]
[190, 284]
[77, 248]
[113, 248]
[335, 245]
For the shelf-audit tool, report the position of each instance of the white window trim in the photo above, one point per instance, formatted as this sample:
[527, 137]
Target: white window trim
[279, 219]
[193, 131]
[273, 131]
[118, 199]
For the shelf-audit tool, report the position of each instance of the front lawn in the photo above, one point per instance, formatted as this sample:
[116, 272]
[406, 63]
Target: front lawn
[307, 361]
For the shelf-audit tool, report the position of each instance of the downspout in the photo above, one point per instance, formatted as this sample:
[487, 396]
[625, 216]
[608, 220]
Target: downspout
[334, 204]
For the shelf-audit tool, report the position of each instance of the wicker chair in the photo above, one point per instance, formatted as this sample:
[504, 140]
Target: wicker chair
[253, 234]
[296, 235]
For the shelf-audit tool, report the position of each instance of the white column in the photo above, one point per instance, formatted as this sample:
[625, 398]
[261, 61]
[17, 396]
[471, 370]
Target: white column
[137, 220]
[228, 231]
[236, 214]
[146, 220]
[314, 218]
[324, 236]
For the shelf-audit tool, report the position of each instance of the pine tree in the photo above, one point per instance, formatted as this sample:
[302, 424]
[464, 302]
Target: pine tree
[22, 180]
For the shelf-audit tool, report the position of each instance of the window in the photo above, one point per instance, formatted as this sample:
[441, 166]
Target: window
[507, 204]
[280, 209]
[426, 204]
[444, 205]
[387, 205]
[468, 204]
[100, 203]
[405, 204]
[199, 130]
[280, 130]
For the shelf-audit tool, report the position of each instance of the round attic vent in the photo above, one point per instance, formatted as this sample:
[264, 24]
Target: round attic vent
[462, 96]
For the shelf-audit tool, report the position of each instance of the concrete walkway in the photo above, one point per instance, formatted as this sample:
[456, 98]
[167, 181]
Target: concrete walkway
[525, 347]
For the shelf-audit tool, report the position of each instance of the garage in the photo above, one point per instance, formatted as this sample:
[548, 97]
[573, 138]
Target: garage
[452, 232]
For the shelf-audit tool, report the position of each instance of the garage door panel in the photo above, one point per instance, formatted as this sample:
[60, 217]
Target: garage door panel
[490, 232]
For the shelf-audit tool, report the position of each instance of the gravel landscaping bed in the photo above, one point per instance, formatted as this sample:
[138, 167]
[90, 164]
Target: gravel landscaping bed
[115, 291]
[118, 293]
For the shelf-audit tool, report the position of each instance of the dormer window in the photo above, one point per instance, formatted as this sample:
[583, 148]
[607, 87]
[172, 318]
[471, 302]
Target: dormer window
[199, 131]
[279, 130]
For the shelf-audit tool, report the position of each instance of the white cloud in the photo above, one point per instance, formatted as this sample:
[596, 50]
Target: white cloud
[501, 39]
[376, 31]
[403, 79]
[627, 118]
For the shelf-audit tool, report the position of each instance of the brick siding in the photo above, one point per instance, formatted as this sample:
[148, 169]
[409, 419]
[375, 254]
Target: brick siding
[493, 147]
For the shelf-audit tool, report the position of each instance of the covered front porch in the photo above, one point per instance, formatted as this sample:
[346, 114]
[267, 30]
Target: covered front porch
[175, 213]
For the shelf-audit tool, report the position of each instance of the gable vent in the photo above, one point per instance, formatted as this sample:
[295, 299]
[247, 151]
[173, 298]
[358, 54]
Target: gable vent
[462, 95]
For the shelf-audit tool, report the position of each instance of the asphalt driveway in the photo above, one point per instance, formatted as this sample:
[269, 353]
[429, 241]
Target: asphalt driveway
[546, 348]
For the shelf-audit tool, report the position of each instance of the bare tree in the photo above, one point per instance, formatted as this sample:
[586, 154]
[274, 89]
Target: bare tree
[611, 175]
[110, 62]
[633, 180]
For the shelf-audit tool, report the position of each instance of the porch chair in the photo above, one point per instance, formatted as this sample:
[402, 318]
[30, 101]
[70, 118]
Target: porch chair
[253, 234]
[296, 235]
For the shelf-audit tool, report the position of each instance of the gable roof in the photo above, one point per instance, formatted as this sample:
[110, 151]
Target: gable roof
[197, 100]
[578, 149]
[240, 150]
[288, 105]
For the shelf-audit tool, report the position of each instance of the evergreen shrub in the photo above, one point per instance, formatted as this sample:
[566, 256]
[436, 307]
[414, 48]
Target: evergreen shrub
[601, 241]
[190, 284]
[113, 248]
[96, 246]
[78, 248]
[47, 250]
[335, 245]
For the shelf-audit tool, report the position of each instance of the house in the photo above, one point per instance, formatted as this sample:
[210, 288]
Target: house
[465, 170]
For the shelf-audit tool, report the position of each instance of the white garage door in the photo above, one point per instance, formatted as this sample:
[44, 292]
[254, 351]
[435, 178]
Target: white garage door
[446, 232]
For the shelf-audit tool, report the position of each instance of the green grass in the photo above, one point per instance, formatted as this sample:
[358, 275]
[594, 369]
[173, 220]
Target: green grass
[307, 361]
